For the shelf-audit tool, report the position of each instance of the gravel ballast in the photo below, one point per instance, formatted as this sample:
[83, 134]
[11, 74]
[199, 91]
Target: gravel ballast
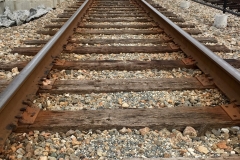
[115, 74]
[146, 99]
[124, 143]
[124, 56]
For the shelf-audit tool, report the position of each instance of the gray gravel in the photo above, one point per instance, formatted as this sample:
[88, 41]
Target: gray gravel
[122, 36]
[146, 99]
[115, 74]
[120, 144]
[124, 56]
[9, 75]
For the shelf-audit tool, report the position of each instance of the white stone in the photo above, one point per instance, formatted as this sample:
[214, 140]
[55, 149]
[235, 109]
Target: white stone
[236, 128]
[9, 75]
[20, 16]
[67, 95]
[15, 70]
[1, 6]
[125, 105]
[40, 12]
[225, 130]
[202, 149]
[220, 150]
[20, 151]
[43, 158]
[191, 150]
[184, 4]
[4, 22]
[99, 152]
[123, 130]
[48, 103]
[220, 20]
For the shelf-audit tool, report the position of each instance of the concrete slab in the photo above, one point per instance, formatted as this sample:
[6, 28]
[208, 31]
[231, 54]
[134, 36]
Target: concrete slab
[1, 6]
[27, 4]
[220, 21]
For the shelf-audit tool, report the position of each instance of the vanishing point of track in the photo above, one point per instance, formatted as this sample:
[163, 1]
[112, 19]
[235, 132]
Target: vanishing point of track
[19, 114]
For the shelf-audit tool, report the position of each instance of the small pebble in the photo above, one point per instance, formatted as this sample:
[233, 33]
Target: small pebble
[190, 131]
[225, 130]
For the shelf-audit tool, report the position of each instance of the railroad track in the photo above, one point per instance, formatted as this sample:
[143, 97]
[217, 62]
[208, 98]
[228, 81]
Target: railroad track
[230, 6]
[101, 28]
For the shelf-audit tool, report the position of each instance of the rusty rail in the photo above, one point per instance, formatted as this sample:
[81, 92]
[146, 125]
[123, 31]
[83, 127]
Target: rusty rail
[27, 81]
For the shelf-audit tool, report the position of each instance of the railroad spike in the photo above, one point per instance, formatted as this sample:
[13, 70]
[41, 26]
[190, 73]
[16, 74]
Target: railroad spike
[27, 102]
[18, 116]
[11, 126]
[23, 109]
[59, 62]
[233, 100]
[210, 78]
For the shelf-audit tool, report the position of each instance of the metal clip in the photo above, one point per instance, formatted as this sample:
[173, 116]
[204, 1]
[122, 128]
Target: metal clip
[173, 46]
[59, 62]
[68, 47]
[188, 61]
[232, 110]
[29, 116]
[205, 80]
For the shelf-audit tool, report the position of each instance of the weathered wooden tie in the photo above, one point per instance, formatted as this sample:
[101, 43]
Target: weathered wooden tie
[106, 32]
[201, 118]
[122, 26]
[116, 15]
[118, 20]
[30, 51]
[123, 49]
[123, 85]
[122, 41]
[130, 65]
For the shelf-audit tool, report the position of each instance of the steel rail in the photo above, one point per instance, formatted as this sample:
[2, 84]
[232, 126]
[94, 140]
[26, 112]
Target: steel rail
[225, 77]
[216, 7]
[27, 81]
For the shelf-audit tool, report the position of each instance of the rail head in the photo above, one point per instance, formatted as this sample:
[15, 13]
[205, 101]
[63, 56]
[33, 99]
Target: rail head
[27, 81]
[226, 77]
